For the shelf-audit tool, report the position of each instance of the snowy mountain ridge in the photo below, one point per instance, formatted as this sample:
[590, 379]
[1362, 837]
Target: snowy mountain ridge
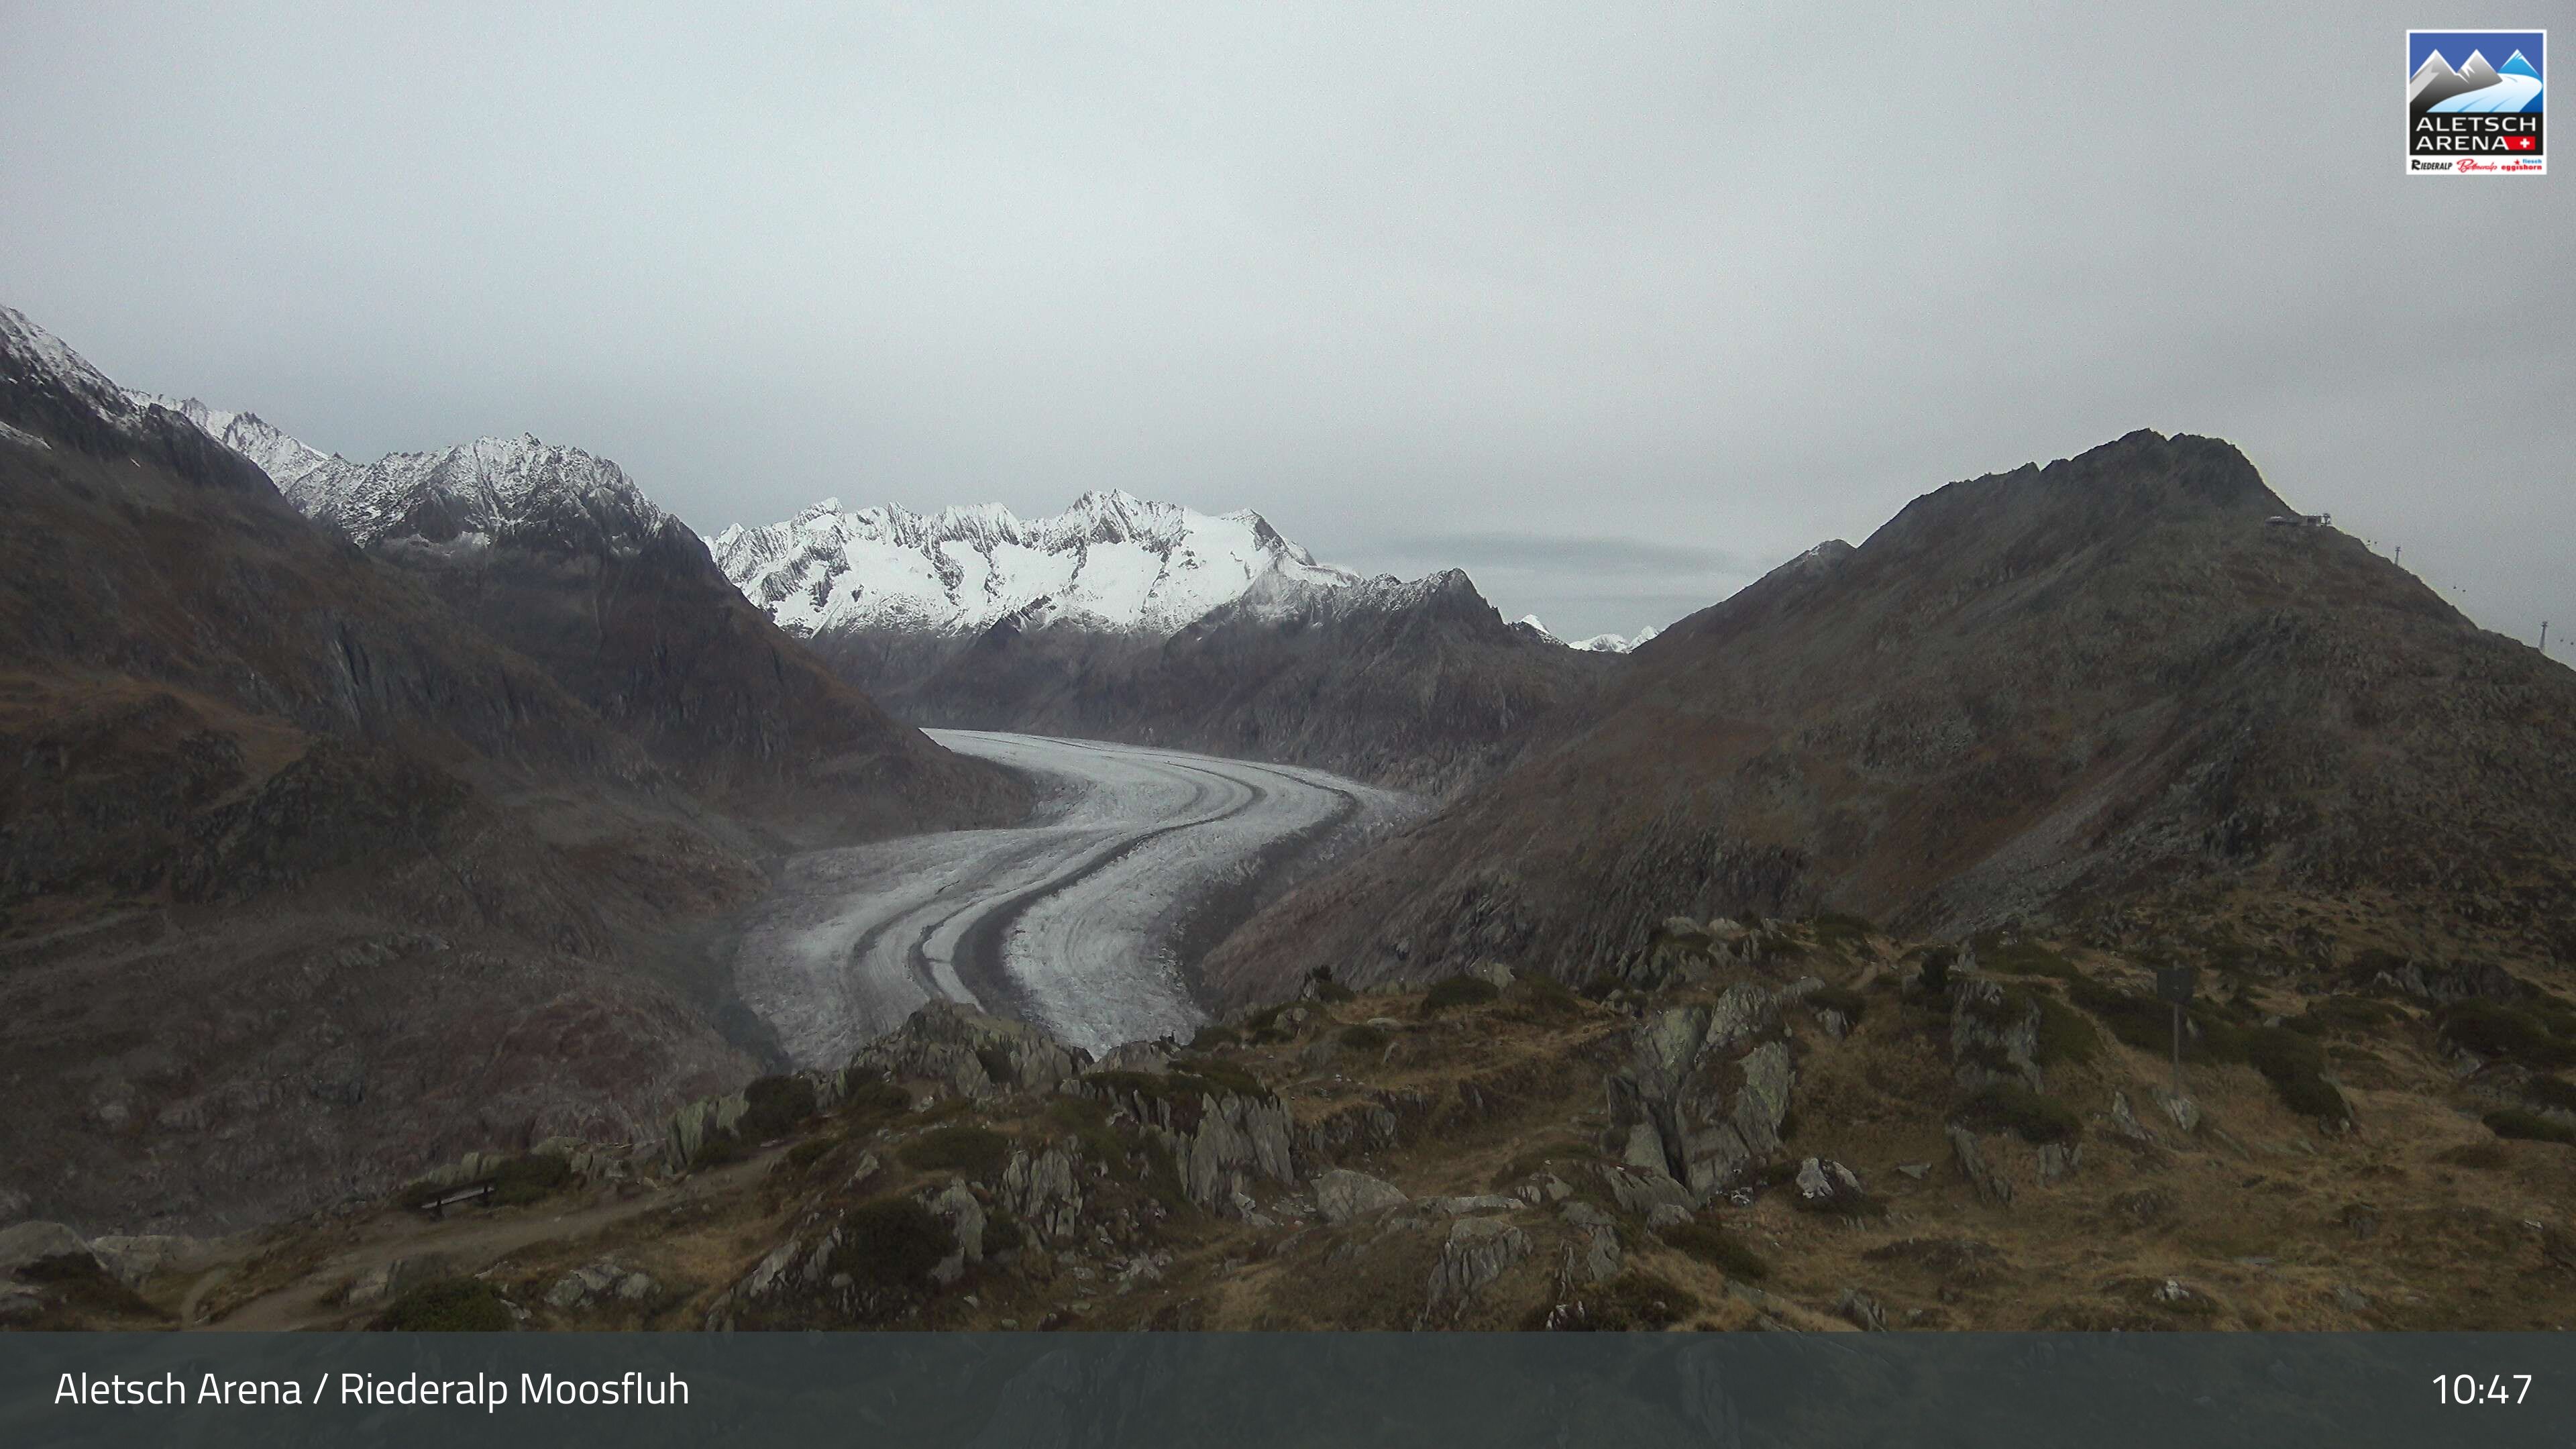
[470, 494]
[1111, 561]
[1596, 644]
[284, 459]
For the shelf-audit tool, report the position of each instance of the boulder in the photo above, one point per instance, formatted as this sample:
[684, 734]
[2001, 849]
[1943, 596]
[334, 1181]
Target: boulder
[603, 1282]
[1224, 1141]
[133, 1260]
[1341, 1195]
[1994, 1036]
[1479, 1250]
[1151, 1057]
[2058, 1160]
[1643, 1192]
[1690, 1093]
[2183, 1110]
[472, 1167]
[1493, 973]
[2125, 1121]
[1991, 1186]
[1861, 1311]
[32, 1242]
[1644, 1148]
[1592, 1255]
[971, 1054]
[957, 1207]
[1042, 1192]
[693, 1126]
[1827, 1185]
[1238, 1137]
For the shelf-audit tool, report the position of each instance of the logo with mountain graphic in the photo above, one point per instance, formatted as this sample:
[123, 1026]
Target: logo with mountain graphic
[2473, 102]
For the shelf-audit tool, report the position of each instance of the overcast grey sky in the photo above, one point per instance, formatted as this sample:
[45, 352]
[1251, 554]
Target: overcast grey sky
[1612, 305]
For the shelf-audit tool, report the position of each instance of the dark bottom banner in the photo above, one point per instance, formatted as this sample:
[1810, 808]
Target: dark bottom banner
[1143, 1391]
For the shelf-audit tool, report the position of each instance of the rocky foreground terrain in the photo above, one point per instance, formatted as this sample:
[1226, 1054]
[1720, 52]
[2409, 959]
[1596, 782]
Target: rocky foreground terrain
[1804, 1126]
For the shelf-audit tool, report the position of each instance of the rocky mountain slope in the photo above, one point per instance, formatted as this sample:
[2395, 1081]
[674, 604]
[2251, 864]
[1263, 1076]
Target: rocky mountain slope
[1773, 1125]
[1154, 624]
[1419, 686]
[558, 555]
[2106, 693]
[304, 878]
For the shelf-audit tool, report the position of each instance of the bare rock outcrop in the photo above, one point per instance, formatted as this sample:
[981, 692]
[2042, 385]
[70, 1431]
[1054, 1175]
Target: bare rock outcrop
[1341, 1195]
[1994, 1036]
[1479, 1250]
[1698, 1096]
[970, 1054]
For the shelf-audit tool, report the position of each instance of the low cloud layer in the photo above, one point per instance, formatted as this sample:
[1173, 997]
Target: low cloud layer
[1619, 303]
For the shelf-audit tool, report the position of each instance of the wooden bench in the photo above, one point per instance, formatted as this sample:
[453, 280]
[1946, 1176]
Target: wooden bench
[473, 1192]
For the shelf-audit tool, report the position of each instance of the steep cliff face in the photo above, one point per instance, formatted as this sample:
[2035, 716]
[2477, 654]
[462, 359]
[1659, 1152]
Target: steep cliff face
[2107, 692]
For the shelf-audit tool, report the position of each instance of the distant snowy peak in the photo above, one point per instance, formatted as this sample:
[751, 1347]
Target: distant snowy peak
[490, 490]
[282, 458]
[1597, 644]
[36, 361]
[1614, 644]
[1111, 561]
[484, 491]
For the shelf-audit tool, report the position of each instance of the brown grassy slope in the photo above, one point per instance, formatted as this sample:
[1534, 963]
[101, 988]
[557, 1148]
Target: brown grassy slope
[2052, 693]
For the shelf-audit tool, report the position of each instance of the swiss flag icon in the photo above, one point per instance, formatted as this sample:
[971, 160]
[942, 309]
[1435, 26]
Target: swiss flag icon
[2521, 143]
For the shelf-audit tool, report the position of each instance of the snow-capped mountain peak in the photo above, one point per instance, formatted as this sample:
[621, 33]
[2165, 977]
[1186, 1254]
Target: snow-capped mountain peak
[284, 459]
[35, 355]
[1110, 561]
[473, 494]
[1613, 643]
[479, 491]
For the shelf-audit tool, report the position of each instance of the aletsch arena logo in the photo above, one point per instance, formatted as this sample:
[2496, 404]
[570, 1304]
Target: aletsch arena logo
[2473, 102]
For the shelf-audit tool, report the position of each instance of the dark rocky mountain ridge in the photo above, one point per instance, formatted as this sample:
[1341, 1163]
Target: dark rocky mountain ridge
[2104, 693]
[1418, 685]
[558, 555]
[306, 879]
